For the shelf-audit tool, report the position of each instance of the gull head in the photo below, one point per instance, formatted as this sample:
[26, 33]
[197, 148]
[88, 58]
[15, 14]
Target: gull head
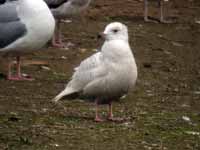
[115, 31]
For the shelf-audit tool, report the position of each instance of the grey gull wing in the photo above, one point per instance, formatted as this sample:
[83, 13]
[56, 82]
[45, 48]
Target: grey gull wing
[10, 32]
[2, 1]
[11, 28]
[55, 3]
[8, 12]
[80, 3]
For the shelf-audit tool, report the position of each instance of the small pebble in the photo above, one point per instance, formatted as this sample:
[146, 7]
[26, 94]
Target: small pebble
[185, 118]
[45, 68]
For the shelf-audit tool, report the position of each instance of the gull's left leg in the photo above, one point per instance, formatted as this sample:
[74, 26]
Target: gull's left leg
[97, 118]
[19, 74]
[110, 114]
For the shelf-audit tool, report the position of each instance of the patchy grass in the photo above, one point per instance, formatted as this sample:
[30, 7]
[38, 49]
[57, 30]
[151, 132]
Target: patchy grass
[162, 113]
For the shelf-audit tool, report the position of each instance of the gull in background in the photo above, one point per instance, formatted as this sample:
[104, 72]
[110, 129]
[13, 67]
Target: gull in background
[161, 5]
[62, 9]
[107, 75]
[25, 26]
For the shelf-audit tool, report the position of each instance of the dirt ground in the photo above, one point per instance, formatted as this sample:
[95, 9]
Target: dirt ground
[163, 112]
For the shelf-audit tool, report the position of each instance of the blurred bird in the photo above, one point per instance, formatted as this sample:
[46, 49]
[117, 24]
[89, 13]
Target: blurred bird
[108, 74]
[161, 19]
[62, 9]
[25, 26]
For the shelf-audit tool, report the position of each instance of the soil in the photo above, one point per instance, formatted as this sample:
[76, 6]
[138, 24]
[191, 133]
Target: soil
[163, 111]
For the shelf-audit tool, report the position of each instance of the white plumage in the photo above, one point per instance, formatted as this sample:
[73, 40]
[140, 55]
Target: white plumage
[108, 74]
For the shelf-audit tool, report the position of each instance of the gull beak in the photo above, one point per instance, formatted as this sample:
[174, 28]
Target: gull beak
[101, 35]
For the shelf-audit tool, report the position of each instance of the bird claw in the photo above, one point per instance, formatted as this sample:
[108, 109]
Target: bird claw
[57, 45]
[20, 78]
[98, 120]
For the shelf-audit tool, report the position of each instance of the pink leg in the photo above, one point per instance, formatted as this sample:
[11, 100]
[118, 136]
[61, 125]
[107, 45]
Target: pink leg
[97, 119]
[54, 40]
[19, 76]
[57, 38]
[110, 114]
[10, 76]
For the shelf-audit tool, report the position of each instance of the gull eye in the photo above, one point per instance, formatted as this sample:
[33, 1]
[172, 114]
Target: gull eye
[115, 30]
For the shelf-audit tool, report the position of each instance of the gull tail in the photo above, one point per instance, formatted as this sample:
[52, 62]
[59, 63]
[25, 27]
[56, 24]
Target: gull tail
[65, 92]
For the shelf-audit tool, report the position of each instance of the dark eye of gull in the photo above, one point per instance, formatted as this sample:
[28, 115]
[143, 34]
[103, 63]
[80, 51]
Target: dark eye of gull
[115, 30]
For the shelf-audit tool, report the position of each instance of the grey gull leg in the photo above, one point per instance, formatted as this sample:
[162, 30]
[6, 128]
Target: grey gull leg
[161, 11]
[162, 20]
[146, 10]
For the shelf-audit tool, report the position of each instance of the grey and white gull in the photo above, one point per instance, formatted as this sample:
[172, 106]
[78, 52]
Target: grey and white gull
[25, 26]
[108, 74]
[62, 9]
